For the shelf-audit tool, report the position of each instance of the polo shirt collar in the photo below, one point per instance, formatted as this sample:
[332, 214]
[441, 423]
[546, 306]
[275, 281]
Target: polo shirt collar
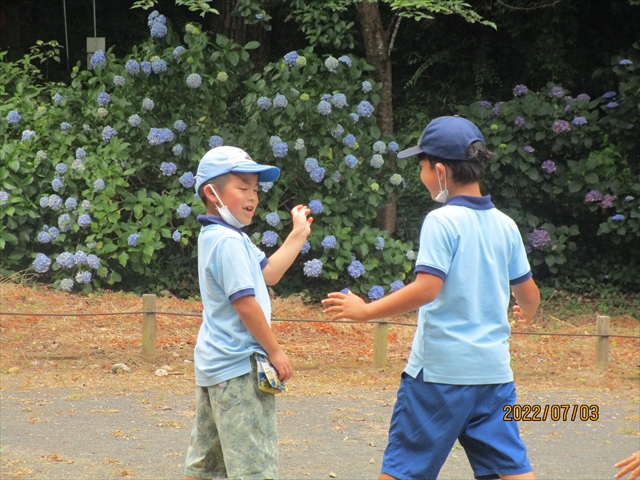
[206, 220]
[477, 203]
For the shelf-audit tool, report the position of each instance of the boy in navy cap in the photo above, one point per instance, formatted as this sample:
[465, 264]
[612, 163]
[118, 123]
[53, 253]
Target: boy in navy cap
[458, 378]
[235, 431]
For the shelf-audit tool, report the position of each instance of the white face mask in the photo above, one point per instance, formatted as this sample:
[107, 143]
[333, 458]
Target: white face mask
[224, 212]
[443, 196]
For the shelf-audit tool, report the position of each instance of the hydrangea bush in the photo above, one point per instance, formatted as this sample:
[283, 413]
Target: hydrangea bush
[97, 176]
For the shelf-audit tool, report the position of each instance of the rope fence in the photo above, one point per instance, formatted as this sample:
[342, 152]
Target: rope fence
[149, 314]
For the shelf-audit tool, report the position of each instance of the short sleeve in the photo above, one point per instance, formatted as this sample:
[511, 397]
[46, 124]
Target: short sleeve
[519, 268]
[231, 268]
[260, 255]
[436, 248]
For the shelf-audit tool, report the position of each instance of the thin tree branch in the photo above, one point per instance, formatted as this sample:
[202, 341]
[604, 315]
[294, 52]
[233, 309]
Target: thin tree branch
[393, 37]
[527, 9]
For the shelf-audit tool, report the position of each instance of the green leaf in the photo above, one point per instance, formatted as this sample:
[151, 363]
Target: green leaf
[122, 258]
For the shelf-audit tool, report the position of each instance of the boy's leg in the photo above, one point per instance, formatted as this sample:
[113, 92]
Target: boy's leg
[492, 444]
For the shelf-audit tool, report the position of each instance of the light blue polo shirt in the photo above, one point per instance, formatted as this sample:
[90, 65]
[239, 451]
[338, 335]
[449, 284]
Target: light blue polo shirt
[462, 336]
[229, 267]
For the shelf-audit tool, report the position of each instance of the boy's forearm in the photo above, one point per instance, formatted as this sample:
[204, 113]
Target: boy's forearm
[253, 318]
[282, 258]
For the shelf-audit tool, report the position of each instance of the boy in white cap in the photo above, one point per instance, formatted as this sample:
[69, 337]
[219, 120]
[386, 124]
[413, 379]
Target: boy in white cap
[458, 378]
[235, 431]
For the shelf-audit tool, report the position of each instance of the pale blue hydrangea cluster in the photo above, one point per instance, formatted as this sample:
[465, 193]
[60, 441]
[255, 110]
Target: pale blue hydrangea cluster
[269, 238]
[306, 246]
[71, 203]
[168, 168]
[66, 260]
[132, 67]
[84, 220]
[549, 166]
[365, 109]
[324, 108]
[273, 219]
[119, 81]
[65, 126]
[157, 25]
[187, 180]
[411, 255]
[355, 268]
[216, 141]
[132, 240]
[379, 245]
[529, 149]
[86, 204]
[329, 242]
[183, 210]
[346, 60]
[146, 68]
[158, 136]
[316, 206]
[579, 121]
[395, 286]
[56, 98]
[299, 145]
[355, 117]
[520, 90]
[54, 202]
[331, 64]
[396, 179]
[393, 146]
[57, 184]
[41, 263]
[561, 126]
[376, 292]
[612, 105]
[98, 184]
[97, 58]
[336, 177]
[80, 258]
[179, 126]
[177, 52]
[556, 92]
[264, 103]
[41, 155]
[265, 186]
[280, 101]
[312, 268]
[177, 150]
[28, 135]
[280, 149]
[80, 153]
[108, 133]
[104, 99]
[274, 139]
[376, 161]
[4, 196]
[617, 217]
[609, 95]
[48, 234]
[349, 140]
[61, 168]
[176, 235]
[193, 80]
[518, 121]
[339, 100]
[317, 174]
[65, 222]
[13, 117]
[351, 161]
[379, 147]
[66, 284]
[337, 131]
[83, 276]
[539, 239]
[310, 164]
[159, 66]
[366, 86]
[148, 104]
[290, 58]
[134, 120]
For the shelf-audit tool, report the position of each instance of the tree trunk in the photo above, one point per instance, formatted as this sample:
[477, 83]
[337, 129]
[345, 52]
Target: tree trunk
[376, 42]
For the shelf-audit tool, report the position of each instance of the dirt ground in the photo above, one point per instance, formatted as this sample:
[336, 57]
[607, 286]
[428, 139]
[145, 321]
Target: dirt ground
[68, 358]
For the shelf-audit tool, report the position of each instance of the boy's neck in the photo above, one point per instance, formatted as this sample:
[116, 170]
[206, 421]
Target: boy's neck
[470, 189]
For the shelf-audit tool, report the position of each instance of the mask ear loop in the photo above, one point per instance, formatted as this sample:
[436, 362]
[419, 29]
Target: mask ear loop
[214, 192]
[445, 180]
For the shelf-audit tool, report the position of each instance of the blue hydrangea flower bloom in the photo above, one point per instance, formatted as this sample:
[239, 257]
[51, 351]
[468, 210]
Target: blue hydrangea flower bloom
[539, 239]
[159, 66]
[607, 201]
[346, 60]
[158, 136]
[379, 147]
[66, 260]
[179, 126]
[376, 161]
[518, 121]
[93, 261]
[158, 30]
[625, 61]
[355, 269]
[316, 207]
[583, 96]
[280, 101]
[99, 184]
[496, 110]
[61, 168]
[561, 126]
[265, 186]
[97, 58]
[44, 201]
[71, 203]
[612, 105]
[376, 292]
[176, 235]
[324, 108]
[57, 183]
[81, 153]
[355, 117]
[177, 150]
[193, 80]
[28, 135]
[183, 210]
[84, 220]
[299, 145]
[365, 109]
[41, 156]
[274, 139]
[608, 95]
[119, 81]
[339, 100]
[329, 241]
[332, 64]
[290, 58]
[617, 217]
[86, 205]
[411, 255]
[56, 98]
[395, 286]
[366, 86]
[306, 246]
[187, 180]
[148, 104]
[312, 268]
[13, 117]
[54, 232]
[65, 222]
[104, 99]
[529, 149]
[102, 112]
[317, 174]
[549, 166]
[42, 263]
[55, 202]
[556, 92]
[351, 161]
[349, 140]
[134, 120]
[280, 149]
[64, 126]
[83, 276]
[264, 103]
[337, 131]
[273, 219]
[269, 238]
[44, 236]
[4, 197]
[379, 245]
[133, 67]
[336, 176]
[310, 164]
[66, 284]
[579, 121]
[80, 258]
[108, 133]
[520, 90]
[393, 146]
[216, 141]
[485, 104]
[132, 240]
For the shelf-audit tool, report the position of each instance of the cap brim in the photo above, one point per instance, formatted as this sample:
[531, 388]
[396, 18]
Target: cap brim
[409, 152]
[266, 173]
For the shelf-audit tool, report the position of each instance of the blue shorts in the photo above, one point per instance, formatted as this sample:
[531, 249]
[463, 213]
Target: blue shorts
[429, 417]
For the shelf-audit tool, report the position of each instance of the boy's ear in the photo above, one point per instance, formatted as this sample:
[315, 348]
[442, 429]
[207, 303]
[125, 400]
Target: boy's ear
[208, 193]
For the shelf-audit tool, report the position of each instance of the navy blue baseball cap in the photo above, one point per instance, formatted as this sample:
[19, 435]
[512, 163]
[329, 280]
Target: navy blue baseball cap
[447, 138]
[225, 159]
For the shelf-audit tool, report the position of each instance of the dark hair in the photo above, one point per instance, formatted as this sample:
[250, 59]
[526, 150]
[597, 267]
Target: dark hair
[219, 181]
[465, 171]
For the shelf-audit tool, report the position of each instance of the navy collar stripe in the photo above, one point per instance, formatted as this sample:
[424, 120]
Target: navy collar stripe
[477, 203]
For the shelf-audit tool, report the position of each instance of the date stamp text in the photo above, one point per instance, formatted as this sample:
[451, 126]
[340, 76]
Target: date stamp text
[555, 413]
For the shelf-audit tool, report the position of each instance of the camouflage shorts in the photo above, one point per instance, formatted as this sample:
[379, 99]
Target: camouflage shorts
[235, 431]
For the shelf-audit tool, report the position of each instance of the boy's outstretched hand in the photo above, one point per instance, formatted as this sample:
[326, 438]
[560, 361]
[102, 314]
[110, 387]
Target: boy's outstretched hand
[349, 305]
[631, 466]
[301, 220]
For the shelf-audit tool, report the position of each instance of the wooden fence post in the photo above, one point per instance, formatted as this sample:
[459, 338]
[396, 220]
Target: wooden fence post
[149, 327]
[380, 344]
[602, 345]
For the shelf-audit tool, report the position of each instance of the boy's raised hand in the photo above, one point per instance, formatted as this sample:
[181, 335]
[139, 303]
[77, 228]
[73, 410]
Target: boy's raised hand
[349, 305]
[301, 220]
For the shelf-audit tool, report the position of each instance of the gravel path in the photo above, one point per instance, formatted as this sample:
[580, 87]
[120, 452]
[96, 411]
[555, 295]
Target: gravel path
[56, 434]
